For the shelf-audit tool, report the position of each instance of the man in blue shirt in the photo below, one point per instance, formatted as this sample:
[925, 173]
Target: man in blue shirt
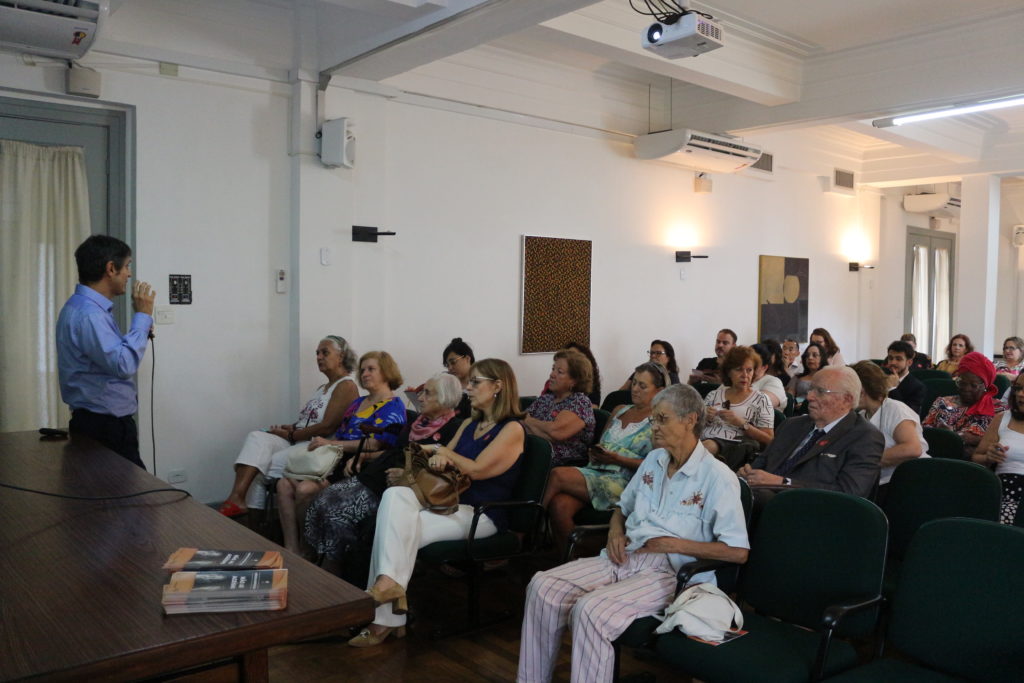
[96, 363]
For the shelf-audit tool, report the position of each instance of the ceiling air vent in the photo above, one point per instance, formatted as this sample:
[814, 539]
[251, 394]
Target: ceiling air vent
[843, 179]
[765, 163]
[840, 182]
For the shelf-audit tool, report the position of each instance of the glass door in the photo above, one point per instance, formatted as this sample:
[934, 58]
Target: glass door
[928, 308]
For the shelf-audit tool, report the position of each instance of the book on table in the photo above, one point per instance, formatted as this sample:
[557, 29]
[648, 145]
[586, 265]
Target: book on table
[197, 559]
[230, 590]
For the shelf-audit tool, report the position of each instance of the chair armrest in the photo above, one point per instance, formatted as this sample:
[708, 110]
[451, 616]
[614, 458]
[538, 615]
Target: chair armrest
[503, 504]
[690, 569]
[835, 613]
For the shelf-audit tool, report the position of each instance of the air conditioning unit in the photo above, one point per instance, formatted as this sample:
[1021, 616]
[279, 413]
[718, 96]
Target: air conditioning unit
[696, 150]
[939, 204]
[52, 28]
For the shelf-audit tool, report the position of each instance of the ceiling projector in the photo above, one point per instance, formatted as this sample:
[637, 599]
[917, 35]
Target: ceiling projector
[688, 35]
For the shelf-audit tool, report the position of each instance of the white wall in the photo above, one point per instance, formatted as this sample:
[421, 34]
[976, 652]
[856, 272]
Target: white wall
[1009, 297]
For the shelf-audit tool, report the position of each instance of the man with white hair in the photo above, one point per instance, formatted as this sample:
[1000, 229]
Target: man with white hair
[832, 447]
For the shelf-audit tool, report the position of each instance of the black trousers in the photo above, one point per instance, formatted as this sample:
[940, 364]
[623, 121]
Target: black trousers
[119, 434]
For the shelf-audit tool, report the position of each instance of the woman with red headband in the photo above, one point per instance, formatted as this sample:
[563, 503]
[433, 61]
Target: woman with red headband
[970, 412]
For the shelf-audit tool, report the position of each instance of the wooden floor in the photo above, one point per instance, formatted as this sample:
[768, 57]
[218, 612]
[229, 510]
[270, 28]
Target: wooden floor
[437, 602]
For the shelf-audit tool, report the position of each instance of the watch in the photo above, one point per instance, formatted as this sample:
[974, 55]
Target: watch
[786, 481]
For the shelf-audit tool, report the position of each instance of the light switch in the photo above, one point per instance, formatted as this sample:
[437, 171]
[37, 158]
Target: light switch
[163, 315]
[281, 280]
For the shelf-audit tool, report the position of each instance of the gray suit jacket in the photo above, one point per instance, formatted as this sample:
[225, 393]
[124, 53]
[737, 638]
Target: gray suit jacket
[846, 459]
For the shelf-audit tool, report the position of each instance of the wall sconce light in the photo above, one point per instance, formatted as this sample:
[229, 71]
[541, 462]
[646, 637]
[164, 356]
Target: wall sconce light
[365, 233]
[686, 257]
[855, 267]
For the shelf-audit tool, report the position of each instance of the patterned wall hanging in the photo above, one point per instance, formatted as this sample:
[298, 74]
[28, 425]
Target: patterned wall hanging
[556, 293]
[782, 298]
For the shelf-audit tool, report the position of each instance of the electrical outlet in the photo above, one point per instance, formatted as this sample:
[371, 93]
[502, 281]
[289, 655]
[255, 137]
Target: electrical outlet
[176, 477]
[163, 315]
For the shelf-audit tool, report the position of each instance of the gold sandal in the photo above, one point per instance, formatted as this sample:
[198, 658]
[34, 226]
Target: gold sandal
[395, 595]
[366, 638]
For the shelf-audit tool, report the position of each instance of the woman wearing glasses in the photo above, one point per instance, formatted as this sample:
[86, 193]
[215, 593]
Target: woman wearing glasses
[970, 412]
[1012, 362]
[662, 353]
[458, 359]
[564, 415]
[488, 448]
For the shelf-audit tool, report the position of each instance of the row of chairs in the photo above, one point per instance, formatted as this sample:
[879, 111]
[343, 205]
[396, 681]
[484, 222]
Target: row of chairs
[822, 565]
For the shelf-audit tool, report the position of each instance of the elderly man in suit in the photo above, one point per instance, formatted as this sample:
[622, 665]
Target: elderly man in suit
[831, 448]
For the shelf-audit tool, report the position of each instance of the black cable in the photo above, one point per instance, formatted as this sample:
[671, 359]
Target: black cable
[186, 494]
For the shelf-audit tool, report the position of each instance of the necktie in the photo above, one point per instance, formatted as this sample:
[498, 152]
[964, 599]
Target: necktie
[789, 463]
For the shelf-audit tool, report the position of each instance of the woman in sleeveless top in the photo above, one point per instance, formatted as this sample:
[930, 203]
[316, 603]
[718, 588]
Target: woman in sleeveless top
[321, 417]
[488, 447]
[813, 359]
[1002, 447]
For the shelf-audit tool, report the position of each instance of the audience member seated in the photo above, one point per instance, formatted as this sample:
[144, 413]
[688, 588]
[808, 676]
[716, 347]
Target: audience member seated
[791, 357]
[662, 353]
[831, 448]
[623, 445]
[908, 389]
[766, 381]
[1012, 362]
[898, 422]
[321, 417]
[488, 448]
[920, 361]
[707, 369]
[565, 416]
[682, 504]
[339, 522]
[775, 365]
[820, 335]
[1002, 447]
[595, 385]
[959, 345]
[971, 411]
[379, 376]
[812, 360]
[458, 358]
[739, 418]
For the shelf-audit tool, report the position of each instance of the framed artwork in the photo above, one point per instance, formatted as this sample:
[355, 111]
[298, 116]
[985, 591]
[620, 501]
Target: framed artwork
[782, 298]
[556, 293]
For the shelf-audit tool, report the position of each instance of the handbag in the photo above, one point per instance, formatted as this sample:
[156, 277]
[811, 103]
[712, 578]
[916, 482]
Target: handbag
[702, 611]
[437, 490]
[315, 465]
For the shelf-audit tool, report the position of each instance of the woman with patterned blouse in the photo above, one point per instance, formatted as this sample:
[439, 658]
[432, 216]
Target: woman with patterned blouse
[623, 445]
[565, 416]
[971, 411]
[1012, 362]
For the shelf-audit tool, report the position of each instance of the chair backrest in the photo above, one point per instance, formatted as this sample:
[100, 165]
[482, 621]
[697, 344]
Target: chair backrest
[616, 398]
[1002, 383]
[943, 443]
[705, 388]
[728, 577]
[601, 418]
[957, 606]
[930, 374]
[790, 405]
[526, 401]
[924, 489]
[933, 388]
[533, 479]
[811, 549]
[880, 362]
[780, 417]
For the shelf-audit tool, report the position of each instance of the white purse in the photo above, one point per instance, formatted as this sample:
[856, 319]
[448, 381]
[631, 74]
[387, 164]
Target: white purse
[703, 611]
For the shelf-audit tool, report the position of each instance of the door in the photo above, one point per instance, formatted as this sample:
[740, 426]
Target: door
[928, 306]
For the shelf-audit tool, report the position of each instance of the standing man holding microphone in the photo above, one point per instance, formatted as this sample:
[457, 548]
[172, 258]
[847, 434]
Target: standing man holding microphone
[95, 362]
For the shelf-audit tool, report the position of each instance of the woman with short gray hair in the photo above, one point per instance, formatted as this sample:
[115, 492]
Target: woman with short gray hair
[340, 520]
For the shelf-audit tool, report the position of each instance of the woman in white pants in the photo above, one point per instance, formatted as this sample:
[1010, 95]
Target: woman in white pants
[321, 417]
[488, 447]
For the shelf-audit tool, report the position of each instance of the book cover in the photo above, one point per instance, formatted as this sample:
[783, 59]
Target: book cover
[196, 559]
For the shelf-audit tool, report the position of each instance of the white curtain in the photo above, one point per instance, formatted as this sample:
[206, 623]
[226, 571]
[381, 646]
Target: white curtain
[44, 216]
[942, 302]
[920, 321]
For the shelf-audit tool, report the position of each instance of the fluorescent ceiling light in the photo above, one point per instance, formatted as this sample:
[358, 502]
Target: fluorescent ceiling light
[987, 105]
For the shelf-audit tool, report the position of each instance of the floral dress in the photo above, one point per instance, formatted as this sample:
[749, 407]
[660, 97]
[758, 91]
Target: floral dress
[573, 450]
[605, 482]
[949, 412]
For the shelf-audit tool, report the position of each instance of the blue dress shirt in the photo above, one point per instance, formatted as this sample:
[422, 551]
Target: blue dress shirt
[96, 363]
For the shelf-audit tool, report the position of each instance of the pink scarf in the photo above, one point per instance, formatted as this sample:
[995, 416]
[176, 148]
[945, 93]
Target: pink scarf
[424, 428]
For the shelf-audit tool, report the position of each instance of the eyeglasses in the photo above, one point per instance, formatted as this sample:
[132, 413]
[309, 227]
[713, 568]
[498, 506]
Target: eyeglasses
[660, 419]
[822, 392]
[1010, 348]
[961, 382]
[450, 363]
[476, 380]
[652, 354]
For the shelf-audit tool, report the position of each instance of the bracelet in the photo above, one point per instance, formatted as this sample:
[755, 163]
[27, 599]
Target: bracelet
[291, 435]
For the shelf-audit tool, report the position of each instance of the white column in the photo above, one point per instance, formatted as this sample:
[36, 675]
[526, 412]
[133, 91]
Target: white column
[974, 311]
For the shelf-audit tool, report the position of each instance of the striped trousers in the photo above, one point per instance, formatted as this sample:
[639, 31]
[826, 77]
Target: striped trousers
[600, 599]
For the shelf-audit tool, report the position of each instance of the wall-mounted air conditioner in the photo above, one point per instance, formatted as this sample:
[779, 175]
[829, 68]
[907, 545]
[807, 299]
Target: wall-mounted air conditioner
[696, 150]
[940, 204]
[51, 28]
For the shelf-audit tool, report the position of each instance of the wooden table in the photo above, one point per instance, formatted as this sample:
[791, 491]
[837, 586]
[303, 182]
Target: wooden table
[80, 581]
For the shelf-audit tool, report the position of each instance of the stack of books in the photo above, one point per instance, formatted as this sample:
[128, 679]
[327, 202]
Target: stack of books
[224, 581]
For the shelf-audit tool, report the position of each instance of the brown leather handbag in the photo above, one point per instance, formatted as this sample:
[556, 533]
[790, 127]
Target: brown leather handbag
[437, 491]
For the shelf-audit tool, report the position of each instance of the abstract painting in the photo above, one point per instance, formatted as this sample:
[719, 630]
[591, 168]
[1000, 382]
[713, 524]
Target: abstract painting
[782, 298]
[556, 293]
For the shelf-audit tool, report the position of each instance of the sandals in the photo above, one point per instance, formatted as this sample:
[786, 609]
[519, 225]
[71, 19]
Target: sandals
[229, 509]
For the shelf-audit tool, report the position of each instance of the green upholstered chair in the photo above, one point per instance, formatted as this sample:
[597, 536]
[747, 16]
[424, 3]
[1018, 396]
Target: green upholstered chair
[925, 489]
[956, 614]
[934, 388]
[620, 397]
[930, 374]
[601, 418]
[525, 516]
[780, 417]
[705, 388]
[790, 405]
[1002, 383]
[525, 402]
[1018, 519]
[943, 443]
[813, 577]
[880, 362]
